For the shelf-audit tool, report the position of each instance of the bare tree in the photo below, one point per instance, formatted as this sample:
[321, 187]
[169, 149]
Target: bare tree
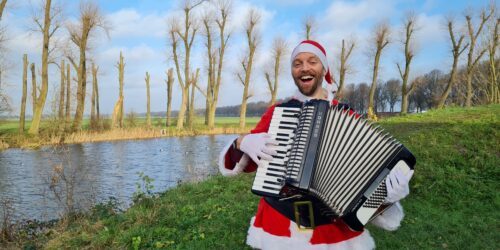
[34, 87]
[493, 63]
[62, 91]
[67, 114]
[471, 61]
[279, 48]
[393, 89]
[381, 97]
[381, 39]
[457, 50]
[170, 84]
[187, 37]
[409, 28]
[48, 28]
[4, 100]
[215, 59]
[117, 118]
[194, 79]
[309, 24]
[344, 65]
[253, 18]
[2, 7]
[356, 96]
[148, 101]
[89, 20]
[25, 91]
[94, 109]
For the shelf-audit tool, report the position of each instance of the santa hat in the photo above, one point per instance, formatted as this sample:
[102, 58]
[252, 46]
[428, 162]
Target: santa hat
[318, 50]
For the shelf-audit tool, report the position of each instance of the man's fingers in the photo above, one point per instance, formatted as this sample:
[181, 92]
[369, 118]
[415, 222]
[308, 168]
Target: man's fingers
[265, 156]
[271, 141]
[269, 151]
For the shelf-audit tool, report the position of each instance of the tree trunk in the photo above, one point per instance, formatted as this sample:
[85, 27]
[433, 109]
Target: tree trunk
[94, 121]
[82, 84]
[148, 106]
[117, 121]
[68, 97]
[170, 83]
[40, 102]
[182, 110]
[457, 50]
[25, 92]
[449, 85]
[34, 87]
[62, 91]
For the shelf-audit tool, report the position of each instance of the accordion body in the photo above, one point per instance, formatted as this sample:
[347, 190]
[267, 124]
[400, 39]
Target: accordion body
[329, 153]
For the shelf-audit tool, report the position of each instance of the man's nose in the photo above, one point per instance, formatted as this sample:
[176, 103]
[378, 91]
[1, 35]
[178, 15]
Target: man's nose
[305, 66]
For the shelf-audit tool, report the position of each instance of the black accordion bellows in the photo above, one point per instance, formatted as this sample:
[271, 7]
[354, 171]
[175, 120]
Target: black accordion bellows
[333, 155]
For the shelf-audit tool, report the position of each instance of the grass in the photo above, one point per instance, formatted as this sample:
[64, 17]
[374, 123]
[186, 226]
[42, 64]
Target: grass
[454, 200]
[9, 136]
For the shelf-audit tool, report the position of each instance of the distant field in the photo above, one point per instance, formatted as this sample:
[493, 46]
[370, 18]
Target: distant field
[12, 126]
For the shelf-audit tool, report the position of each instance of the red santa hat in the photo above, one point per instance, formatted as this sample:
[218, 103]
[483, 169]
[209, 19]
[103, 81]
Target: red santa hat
[318, 50]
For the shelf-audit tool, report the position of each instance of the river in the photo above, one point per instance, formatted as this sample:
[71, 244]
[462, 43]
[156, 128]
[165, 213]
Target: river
[98, 171]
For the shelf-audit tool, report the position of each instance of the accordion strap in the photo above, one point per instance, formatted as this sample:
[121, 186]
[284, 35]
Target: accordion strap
[286, 208]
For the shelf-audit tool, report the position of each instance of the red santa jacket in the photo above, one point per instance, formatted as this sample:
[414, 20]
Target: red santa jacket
[271, 230]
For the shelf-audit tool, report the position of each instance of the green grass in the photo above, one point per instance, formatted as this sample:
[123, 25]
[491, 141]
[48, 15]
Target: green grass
[454, 201]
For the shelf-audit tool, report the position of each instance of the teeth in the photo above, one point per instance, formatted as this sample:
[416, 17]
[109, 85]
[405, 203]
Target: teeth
[306, 78]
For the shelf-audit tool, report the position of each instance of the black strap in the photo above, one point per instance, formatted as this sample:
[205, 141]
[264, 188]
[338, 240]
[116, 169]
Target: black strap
[286, 208]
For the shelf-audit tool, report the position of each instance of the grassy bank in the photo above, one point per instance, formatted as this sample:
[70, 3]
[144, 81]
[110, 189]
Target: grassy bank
[9, 136]
[454, 199]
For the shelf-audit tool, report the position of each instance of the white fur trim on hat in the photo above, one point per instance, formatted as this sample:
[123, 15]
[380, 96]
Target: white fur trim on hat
[258, 238]
[238, 168]
[307, 47]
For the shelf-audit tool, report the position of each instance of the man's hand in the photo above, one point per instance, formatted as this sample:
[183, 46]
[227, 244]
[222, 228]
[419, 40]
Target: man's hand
[397, 184]
[257, 146]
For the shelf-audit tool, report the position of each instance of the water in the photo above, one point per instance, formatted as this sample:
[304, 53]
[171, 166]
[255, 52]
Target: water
[101, 170]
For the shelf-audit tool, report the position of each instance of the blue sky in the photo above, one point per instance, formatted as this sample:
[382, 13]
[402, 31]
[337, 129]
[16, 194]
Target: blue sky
[138, 29]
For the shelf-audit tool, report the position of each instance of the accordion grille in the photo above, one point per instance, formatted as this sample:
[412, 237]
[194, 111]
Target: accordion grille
[352, 153]
[299, 145]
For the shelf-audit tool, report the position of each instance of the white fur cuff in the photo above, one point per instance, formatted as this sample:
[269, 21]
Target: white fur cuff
[238, 168]
[391, 218]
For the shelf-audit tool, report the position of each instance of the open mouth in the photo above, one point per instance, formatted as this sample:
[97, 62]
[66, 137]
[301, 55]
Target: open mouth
[307, 79]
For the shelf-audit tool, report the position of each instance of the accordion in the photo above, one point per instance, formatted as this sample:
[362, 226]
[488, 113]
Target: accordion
[332, 155]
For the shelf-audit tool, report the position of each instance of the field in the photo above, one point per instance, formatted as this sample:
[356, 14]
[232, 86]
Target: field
[454, 201]
[133, 129]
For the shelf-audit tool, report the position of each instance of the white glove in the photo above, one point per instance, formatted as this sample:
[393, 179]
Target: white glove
[258, 145]
[397, 183]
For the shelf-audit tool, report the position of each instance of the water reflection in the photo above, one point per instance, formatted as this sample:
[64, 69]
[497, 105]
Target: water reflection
[103, 170]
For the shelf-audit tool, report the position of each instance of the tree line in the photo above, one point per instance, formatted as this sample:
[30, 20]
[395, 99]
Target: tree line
[475, 83]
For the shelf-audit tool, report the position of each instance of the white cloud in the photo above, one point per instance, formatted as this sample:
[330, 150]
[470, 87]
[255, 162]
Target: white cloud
[128, 23]
[240, 14]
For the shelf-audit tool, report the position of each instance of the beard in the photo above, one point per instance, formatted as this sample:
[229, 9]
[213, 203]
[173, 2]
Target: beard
[310, 87]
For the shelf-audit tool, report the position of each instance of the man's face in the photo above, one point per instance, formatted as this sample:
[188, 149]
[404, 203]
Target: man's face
[307, 72]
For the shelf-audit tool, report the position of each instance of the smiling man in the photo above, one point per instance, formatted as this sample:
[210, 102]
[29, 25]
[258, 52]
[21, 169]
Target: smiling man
[274, 227]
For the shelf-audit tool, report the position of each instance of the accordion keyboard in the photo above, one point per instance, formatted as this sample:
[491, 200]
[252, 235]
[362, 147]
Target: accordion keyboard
[270, 176]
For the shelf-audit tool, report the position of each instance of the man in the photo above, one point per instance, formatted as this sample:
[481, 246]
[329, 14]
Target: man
[273, 227]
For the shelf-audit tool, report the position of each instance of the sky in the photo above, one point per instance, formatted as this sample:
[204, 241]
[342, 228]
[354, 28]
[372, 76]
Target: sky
[138, 29]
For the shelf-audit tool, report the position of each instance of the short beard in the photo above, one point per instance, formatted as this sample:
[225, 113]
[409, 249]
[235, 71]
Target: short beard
[317, 84]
